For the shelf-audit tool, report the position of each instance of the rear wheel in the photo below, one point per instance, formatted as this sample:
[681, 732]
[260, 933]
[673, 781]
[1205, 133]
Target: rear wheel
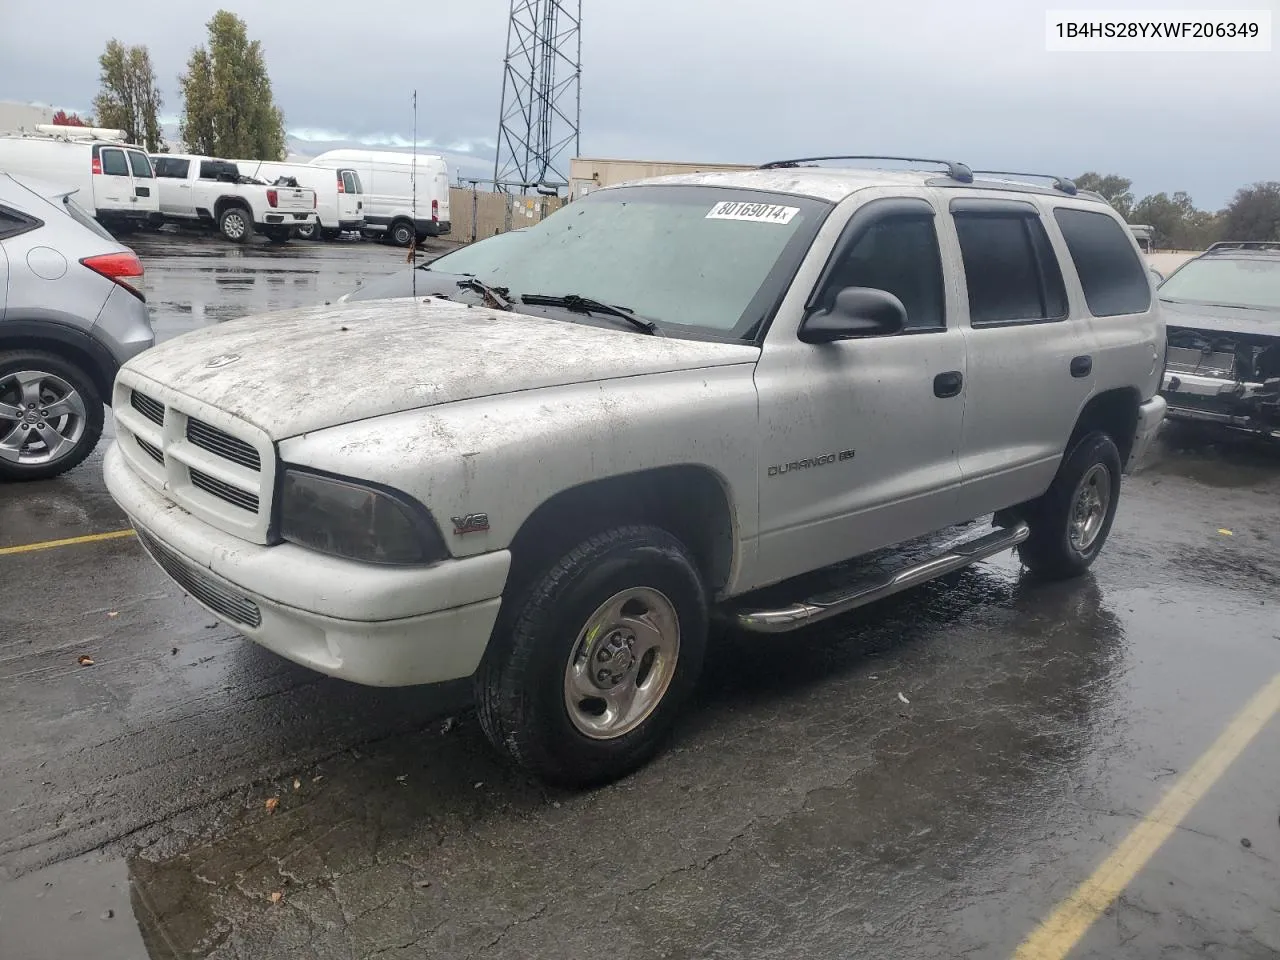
[1070, 523]
[279, 234]
[50, 415]
[312, 231]
[402, 233]
[591, 662]
[234, 224]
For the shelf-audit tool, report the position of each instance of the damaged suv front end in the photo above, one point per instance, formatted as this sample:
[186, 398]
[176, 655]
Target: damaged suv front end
[1222, 363]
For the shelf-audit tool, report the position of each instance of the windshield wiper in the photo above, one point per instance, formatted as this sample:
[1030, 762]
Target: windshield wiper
[495, 297]
[571, 301]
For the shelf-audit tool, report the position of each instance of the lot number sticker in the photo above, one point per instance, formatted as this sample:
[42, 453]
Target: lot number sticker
[757, 212]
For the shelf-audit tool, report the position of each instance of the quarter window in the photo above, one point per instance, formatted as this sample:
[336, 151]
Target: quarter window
[1113, 279]
[1010, 269]
[113, 163]
[13, 223]
[900, 255]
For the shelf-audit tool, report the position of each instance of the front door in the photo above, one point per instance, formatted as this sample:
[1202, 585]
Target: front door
[860, 438]
[1030, 364]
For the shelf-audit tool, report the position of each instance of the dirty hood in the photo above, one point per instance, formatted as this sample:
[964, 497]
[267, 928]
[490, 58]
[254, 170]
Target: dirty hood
[297, 371]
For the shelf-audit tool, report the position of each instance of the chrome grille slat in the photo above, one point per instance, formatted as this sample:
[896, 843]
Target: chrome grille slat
[223, 491]
[151, 451]
[219, 442]
[208, 591]
[149, 407]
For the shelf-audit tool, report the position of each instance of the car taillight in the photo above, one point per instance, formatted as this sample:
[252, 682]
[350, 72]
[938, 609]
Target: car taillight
[342, 187]
[435, 210]
[97, 166]
[272, 197]
[122, 268]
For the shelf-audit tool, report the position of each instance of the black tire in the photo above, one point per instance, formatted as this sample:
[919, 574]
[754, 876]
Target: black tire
[14, 361]
[401, 233]
[520, 686]
[312, 232]
[1050, 551]
[278, 234]
[235, 224]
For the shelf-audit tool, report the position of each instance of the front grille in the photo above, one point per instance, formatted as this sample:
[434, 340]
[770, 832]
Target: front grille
[149, 407]
[224, 491]
[151, 451]
[232, 605]
[208, 437]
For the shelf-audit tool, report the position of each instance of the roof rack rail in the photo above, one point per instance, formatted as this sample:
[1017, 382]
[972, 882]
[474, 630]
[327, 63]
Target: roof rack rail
[956, 171]
[1245, 245]
[1061, 184]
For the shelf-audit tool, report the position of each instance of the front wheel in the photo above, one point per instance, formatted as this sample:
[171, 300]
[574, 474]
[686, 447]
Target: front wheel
[50, 415]
[592, 661]
[1070, 523]
[402, 233]
[234, 224]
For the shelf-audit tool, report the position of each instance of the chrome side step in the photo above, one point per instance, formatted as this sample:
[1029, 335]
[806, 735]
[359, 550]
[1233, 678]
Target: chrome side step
[833, 604]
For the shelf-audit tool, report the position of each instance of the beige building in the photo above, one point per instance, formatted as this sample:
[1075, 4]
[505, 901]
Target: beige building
[586, 174]
[22, 116]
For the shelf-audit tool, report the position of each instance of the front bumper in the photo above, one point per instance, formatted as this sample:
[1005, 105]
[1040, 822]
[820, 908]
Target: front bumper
[1228, 403]
[379, 626]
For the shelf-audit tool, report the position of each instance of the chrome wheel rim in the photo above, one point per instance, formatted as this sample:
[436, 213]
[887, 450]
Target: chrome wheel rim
[234, 225]
[622, 663]
[42, 417]
[1089, 507]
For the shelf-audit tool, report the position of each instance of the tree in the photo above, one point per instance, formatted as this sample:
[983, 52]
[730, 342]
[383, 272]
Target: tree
[1114, 188]
[64, 119]
[1254, 213]
[129, 99]
[228, 109]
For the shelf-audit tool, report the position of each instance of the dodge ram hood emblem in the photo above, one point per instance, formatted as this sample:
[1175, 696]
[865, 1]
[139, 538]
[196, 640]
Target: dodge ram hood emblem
[223, 360]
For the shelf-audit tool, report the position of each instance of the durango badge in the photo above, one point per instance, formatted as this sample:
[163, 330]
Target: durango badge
[222, 360]
[471, 523]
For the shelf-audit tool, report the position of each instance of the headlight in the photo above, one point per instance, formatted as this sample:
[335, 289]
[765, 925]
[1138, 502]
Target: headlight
[355, 520]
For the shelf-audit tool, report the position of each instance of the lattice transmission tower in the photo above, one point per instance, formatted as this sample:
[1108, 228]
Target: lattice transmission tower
[538, 127]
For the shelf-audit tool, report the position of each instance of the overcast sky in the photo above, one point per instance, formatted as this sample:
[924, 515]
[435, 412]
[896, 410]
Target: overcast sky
[720, 80]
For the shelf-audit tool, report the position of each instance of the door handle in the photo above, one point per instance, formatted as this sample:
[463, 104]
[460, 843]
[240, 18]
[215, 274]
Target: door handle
[1081, 366]
[948, 384]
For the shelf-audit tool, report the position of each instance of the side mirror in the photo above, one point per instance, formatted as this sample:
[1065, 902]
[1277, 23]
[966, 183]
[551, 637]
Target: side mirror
[857, 312]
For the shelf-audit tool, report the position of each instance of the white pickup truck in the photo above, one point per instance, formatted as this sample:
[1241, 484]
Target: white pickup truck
[556, 466]
[209, 192]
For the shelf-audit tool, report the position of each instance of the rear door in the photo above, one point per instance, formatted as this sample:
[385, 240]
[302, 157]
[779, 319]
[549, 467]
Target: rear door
[174, 187]
[1029, 361]
[112, 181]
[350, 202]
[144, 182]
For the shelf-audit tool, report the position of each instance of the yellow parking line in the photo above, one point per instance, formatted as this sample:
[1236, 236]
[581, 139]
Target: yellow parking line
[68, 542]
[1058, 935]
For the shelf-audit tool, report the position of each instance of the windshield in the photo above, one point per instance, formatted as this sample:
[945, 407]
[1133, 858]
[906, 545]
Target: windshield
[1230, 282]
[709, 259]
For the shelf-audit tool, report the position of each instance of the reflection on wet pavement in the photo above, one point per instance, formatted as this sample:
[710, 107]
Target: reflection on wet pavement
[803, 809]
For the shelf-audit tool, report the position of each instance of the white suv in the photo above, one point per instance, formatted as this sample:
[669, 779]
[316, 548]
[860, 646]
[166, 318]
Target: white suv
[553, 468]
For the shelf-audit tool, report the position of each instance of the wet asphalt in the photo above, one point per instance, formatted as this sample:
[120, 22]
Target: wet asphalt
[928, 778]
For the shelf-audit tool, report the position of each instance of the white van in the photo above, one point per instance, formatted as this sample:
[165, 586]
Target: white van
[113, 179]
[388, 178]
[339, 200]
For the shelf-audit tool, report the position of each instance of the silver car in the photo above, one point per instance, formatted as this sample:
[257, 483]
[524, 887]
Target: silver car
[72, 311]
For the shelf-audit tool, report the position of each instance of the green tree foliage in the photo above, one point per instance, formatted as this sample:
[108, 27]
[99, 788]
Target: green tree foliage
[228, 109]
[1254, 213]
[128, 98]
[1178, 225]
[1114, 188]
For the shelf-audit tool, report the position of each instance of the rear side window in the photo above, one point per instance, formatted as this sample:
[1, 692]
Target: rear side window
[172, 168]
[1010, 269]
[1113, 279]
[113, 163]
[140, 165]
[13, 223]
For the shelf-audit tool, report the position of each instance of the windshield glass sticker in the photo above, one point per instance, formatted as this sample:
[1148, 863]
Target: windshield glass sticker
[766, 212]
